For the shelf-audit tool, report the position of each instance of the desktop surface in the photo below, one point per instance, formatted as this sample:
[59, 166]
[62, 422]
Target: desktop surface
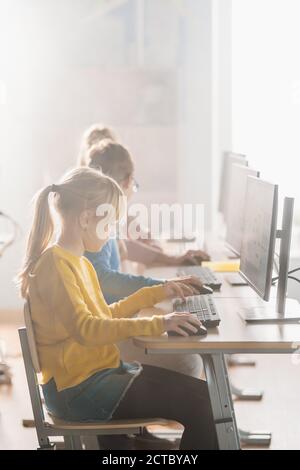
[233, 335]
[226, 290]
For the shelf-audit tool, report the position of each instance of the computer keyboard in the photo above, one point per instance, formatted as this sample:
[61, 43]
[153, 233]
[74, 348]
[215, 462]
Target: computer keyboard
[206, 276]
[202, 306]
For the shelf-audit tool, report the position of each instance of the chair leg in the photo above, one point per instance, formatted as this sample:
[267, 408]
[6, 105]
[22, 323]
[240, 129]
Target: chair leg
[73, 443]
[45, 444]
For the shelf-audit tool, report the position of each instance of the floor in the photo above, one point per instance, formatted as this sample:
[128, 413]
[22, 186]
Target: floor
[279, 411]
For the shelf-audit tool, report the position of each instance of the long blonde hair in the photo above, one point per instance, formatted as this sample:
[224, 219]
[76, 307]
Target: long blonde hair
[79, 189]
[93, 136]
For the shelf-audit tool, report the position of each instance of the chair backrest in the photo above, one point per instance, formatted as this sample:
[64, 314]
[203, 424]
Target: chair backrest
[32, 368]
[30, 337]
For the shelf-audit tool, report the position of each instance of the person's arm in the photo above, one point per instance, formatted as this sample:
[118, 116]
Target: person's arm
[146, 297]
[114, 284]
[65, 299]
[148, 255]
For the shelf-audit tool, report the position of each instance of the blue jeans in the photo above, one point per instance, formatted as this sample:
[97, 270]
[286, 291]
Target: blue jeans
[94, 399]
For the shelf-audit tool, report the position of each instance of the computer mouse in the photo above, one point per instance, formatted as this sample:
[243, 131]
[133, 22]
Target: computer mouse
[203, 290]
[206, 290]
[201, 331]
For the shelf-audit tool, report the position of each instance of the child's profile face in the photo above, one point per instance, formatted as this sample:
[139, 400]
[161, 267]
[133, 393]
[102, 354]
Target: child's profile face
[91, 240]
[97, 231]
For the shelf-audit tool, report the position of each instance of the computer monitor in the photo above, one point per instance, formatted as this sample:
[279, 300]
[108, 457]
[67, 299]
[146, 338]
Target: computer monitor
[229, 159]
[236, 206]
[259, 235]
[258, 249]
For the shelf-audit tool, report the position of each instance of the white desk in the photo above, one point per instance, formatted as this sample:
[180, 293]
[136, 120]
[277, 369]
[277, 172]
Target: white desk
[233, 336]
[226, 291]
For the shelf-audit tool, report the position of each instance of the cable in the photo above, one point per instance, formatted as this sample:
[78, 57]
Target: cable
[289, 272]
[294, 271]
[294, 278]
[275, 279]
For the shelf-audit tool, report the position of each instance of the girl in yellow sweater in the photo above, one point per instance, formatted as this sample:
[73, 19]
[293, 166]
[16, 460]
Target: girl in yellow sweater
[83, 376]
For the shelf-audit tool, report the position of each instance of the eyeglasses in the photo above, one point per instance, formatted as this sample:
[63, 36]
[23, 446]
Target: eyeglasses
[135, 186]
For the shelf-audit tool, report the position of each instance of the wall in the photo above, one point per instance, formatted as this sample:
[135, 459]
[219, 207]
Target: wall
[66, 64]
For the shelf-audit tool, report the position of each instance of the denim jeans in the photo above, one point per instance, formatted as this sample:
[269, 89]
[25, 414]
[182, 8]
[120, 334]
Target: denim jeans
[94, 399]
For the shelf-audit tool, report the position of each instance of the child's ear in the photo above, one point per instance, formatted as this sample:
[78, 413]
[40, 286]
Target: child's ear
[84, 220]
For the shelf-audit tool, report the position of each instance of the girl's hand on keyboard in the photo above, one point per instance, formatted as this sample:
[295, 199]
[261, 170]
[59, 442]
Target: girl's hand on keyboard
[199, 255]
[192, 257]
[178, 289]
[191, 281]
[177, 321]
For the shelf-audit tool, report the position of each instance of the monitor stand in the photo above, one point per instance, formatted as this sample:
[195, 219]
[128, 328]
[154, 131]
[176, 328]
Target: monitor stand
[235, 280]
[284, 310]
[268, 314]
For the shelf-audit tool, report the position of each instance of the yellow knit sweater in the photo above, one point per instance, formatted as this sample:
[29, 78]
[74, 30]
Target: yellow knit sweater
[75, 329]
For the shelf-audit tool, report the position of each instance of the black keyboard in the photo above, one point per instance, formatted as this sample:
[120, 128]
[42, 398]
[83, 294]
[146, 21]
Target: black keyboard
[202, 306]
[206, 276]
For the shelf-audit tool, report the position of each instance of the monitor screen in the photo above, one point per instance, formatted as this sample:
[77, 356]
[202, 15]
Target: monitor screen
[229, 160]
[259, 235]
[236, 206]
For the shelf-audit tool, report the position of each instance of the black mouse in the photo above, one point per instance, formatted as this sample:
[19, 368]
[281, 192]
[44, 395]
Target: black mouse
[203, 290]
[206, 290]
[201, 331]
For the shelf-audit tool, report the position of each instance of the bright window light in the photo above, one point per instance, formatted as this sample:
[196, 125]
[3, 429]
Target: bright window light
[266, 89]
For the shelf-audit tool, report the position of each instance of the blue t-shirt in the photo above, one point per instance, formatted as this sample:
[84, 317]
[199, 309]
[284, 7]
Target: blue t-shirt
[116, 285]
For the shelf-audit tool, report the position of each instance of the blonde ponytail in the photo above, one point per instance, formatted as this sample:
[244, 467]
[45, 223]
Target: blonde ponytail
[39, 237]
[80, 189]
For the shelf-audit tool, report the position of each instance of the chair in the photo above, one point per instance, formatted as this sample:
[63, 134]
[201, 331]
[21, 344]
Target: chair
[73, 433]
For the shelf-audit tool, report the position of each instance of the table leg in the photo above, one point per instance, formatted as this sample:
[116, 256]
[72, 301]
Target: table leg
[255, 438]
[237, 360]
[221, 401]
[246, 394]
